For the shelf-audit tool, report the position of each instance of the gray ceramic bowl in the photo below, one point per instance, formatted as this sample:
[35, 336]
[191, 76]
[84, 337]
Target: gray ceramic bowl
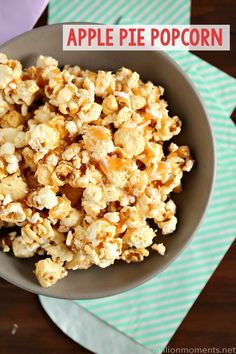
[191, 203]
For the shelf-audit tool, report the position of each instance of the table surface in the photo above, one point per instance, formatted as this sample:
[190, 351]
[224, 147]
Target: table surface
[26, 328]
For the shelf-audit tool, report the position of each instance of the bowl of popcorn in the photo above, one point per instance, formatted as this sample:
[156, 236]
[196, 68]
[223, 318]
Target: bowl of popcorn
[106, 166]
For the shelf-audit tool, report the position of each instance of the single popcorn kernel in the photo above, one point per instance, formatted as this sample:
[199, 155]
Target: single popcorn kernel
[160, 248]
[109, 104]
[64, 95]
[45, 198]
[15, 186]
[85, 174]
[137, 102]
[92, 115]
[13, 212]
[43, 137]
[7, 149]
[61, 210]
[139, 238]
[11, 119]
[6, 76]
[131, 140]
[48, 272]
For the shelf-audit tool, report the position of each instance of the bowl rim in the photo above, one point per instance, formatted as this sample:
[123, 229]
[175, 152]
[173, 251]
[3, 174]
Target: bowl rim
[138, 282]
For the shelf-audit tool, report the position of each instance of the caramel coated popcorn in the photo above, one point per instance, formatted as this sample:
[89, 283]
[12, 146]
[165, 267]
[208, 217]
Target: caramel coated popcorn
[87, 166]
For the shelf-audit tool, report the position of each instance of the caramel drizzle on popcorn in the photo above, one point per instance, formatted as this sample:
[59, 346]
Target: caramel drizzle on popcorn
[82, 166]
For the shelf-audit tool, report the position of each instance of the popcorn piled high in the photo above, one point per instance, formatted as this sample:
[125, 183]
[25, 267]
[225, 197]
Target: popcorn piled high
[82, 166]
